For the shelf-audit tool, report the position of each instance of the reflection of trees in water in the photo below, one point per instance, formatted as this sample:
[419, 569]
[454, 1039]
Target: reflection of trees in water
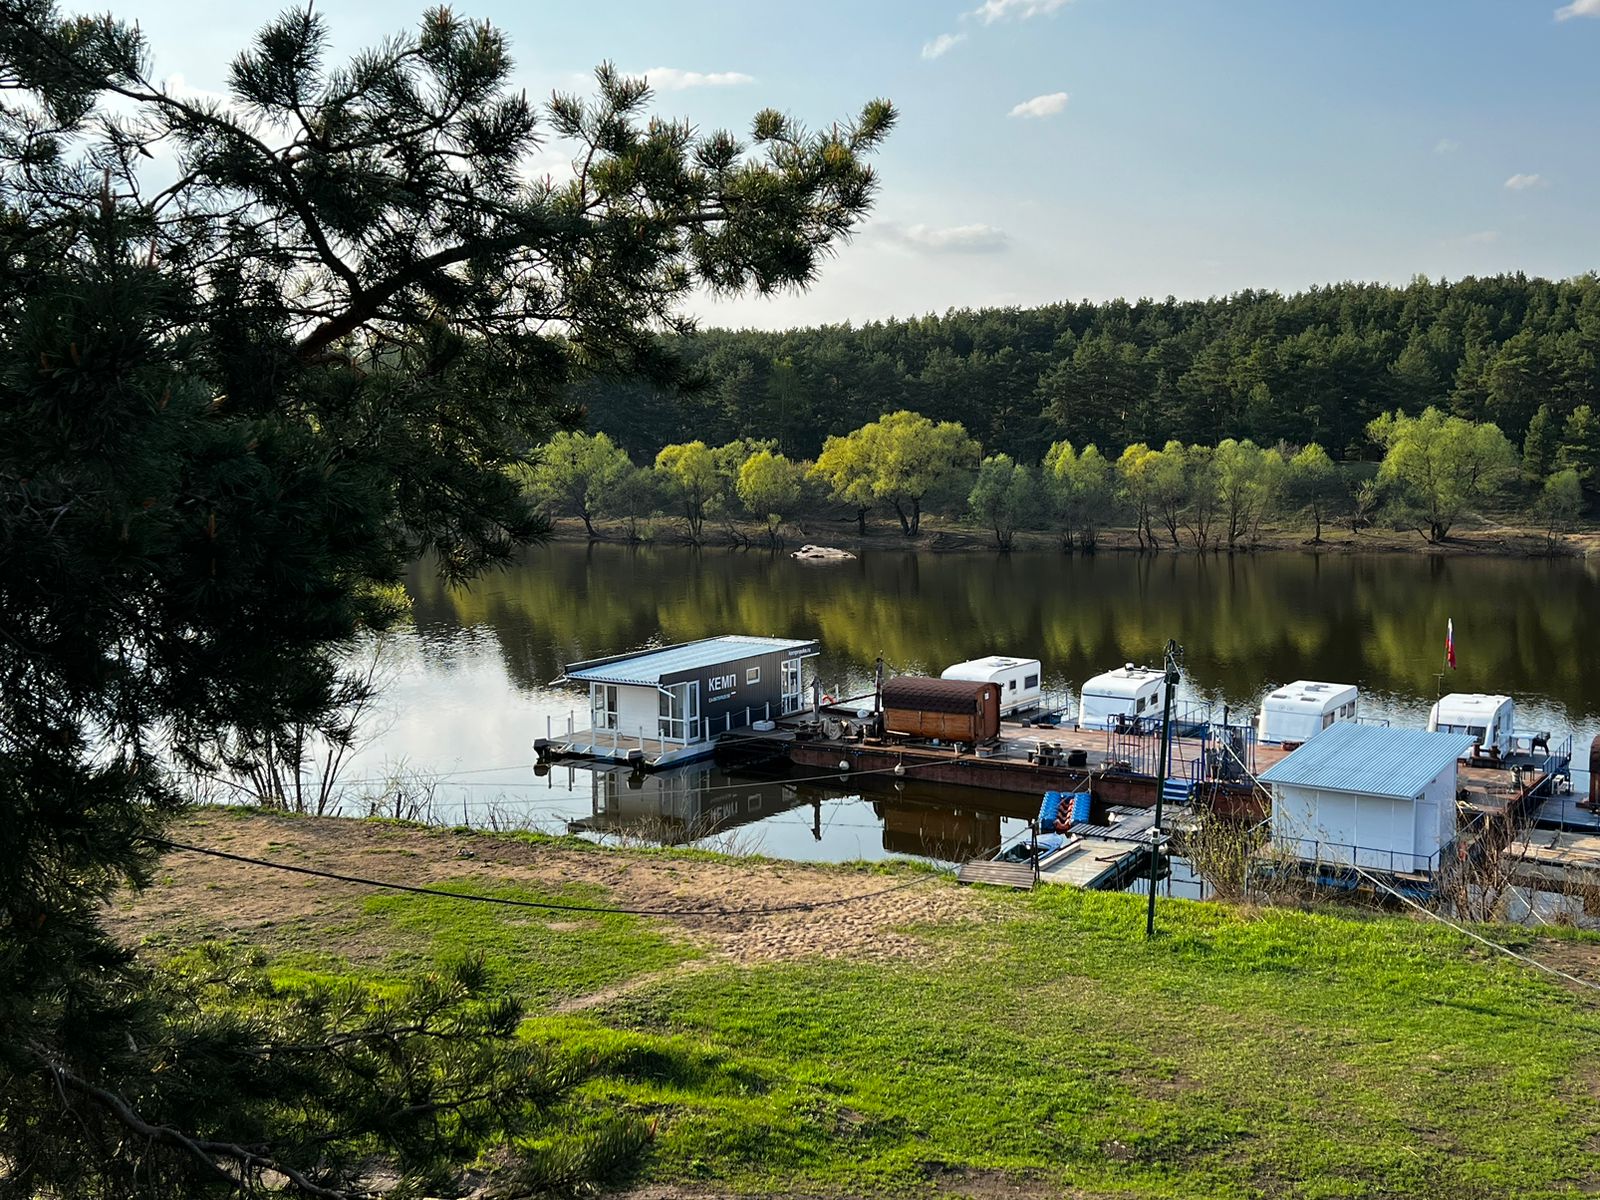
[1245, 621]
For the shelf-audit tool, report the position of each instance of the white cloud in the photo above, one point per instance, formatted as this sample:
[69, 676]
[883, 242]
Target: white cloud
[948, 239]
[1040, 106]
[1003, 10]
[179, 88]
[672, 79]
[1521, 183]
[1579, 8]
[1446, 146]
[942, 44]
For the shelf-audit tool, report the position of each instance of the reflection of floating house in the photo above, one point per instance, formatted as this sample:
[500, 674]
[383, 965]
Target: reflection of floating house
[1367, 796]
[1486, 719]
[1128, 693]
[677, 805]
[1018, 679]
[1300, 710]
[654, 707]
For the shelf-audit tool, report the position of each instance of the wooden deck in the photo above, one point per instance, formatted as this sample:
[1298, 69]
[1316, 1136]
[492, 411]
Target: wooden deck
[1542, 857]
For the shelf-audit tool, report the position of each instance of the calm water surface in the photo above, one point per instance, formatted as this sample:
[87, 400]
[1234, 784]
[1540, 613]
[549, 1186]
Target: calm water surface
[471, 682]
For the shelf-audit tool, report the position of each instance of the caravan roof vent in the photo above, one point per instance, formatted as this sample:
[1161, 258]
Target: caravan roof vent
[1127, 666]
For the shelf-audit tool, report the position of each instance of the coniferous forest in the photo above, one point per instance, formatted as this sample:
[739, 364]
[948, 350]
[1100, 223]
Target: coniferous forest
[1316, 366]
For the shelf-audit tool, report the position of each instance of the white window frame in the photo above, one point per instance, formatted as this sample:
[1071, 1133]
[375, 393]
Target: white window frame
[752, 675]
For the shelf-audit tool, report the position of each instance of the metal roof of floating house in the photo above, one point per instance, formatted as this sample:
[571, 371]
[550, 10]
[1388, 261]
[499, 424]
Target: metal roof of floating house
[1372, 760]
[648, 667]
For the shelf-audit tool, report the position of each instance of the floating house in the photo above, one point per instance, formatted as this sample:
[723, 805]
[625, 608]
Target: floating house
[1487, 720]
[1120, 697]
[1368, 796]
[1018, 679]
[668, 705]
[1299, 711]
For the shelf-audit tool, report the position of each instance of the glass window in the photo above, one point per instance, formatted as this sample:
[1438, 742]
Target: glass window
[1031, 682]
[752, 675]
[1011, 685]
[679, 713]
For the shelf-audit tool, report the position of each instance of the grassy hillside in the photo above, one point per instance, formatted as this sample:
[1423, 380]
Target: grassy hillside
[969, 1043]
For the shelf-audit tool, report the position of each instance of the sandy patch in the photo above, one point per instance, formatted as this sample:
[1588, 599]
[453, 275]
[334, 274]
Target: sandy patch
[215, 897]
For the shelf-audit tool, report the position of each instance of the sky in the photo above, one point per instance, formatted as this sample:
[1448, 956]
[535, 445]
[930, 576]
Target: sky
[1054, 150]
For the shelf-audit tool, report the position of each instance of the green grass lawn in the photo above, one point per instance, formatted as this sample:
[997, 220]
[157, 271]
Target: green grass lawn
[1263, 1053]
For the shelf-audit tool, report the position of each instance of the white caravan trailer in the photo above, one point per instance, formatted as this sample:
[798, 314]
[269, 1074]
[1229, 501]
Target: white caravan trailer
[1487, 719]
[1018, 679]
[1127, 692]
[1299, 711]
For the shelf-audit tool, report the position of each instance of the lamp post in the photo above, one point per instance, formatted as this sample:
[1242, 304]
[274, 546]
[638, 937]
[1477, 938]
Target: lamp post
[1169, 668]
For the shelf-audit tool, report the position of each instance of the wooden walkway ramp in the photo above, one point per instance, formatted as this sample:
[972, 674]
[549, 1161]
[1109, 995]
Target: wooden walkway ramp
[997, 874]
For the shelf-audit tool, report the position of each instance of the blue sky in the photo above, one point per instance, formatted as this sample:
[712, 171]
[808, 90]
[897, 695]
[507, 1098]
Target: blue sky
[1062, 149]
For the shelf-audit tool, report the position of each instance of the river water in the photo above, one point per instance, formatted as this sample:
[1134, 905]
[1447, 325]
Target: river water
[471, 681]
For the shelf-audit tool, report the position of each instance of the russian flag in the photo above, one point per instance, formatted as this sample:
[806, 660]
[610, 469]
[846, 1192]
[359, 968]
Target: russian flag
[1450, 642]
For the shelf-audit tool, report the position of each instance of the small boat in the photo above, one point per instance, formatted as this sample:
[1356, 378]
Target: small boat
[810, 553]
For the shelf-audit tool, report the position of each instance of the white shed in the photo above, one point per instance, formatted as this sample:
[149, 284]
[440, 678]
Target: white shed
[1018, 679]
[1299, 711]
[1368, 795]
[1488, 720]
[1129, 691]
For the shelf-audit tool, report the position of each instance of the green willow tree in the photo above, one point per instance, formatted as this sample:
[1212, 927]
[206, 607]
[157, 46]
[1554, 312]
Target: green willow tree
[769, 487]
[235, 402]
[578, 474]
[1439, 466]
[1003, 496]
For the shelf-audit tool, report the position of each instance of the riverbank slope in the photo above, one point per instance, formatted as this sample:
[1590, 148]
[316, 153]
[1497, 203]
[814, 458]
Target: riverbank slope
[1480, 536]
[927, 1039]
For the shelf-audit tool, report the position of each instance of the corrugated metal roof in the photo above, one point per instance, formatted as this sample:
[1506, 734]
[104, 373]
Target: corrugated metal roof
[648, 667]
[1370, 759]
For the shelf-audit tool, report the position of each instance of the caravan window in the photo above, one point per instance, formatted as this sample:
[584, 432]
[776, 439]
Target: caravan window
[1011, 685]
[1031, 682]
[1139, 707]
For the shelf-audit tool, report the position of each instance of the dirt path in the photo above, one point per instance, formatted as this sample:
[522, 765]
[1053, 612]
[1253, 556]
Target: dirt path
[205, 896]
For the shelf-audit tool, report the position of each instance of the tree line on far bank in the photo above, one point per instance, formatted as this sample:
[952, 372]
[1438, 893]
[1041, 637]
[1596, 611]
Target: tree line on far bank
[1425, 472]
[1316, 366]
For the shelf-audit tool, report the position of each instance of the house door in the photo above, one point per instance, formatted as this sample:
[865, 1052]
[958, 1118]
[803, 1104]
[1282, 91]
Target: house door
[603, 703]
[789, 677]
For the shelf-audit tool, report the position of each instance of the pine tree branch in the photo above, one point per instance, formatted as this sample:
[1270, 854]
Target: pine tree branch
[201, 1150]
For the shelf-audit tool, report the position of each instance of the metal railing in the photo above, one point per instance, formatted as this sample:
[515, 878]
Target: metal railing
[1370, 858]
